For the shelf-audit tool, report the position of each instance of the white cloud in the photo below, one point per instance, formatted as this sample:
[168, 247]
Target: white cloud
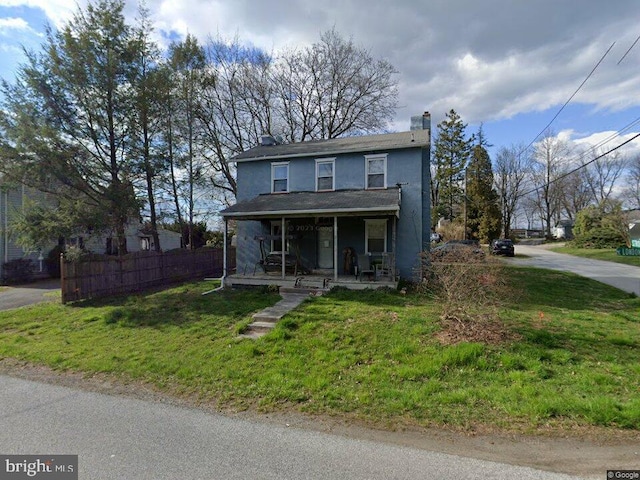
[488, 60]
[58, 11]
[608, 140]
[13, 23]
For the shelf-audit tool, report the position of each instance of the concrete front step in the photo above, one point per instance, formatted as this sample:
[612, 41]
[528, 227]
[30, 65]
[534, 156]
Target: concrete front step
[261, 326]
[305, 290]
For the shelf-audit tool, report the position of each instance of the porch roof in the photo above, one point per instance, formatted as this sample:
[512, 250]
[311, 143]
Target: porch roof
[302, 204]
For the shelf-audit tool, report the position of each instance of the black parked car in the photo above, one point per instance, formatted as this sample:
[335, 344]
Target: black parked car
[503, 246]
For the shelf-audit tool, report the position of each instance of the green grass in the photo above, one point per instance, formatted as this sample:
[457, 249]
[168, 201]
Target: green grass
[369, 355]
[607, 254]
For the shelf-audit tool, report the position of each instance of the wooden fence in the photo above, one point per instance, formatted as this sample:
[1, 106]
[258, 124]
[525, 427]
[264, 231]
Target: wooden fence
[105, 275]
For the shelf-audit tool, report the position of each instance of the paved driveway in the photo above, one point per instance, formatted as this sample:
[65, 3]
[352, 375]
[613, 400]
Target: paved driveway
[624, 277]
[29, 294]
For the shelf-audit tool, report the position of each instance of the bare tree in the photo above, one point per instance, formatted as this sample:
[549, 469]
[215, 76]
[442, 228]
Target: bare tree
[632, 190]
[512, 169]
[548, 167]
[602, 175]
[575, 193]
[236, 107]
[327, 90]
[334, 88]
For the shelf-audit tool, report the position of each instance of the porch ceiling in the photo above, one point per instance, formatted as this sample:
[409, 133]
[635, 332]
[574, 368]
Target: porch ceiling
[304, 204]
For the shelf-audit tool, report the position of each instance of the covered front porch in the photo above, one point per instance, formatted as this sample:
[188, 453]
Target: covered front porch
[317, 239]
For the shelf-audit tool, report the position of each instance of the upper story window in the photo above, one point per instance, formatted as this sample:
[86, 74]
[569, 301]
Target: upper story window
[279, 177]
[325, 176]
[376, 171]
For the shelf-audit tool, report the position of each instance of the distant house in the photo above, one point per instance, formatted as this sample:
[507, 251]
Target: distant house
[563, 230]
[138, 238]
[12, 201]
[335, 206]
[634, 227]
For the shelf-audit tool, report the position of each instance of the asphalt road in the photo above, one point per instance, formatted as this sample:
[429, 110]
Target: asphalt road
[29, 294]
[123, 438]
[624, 277]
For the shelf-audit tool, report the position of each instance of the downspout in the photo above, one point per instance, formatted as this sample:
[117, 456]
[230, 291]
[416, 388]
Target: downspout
[335, 249]
[6, 226]
[282, 236]
[224, 260]
[224, 252]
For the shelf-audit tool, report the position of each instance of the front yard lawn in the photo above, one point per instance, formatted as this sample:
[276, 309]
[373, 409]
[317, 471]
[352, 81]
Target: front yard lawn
[572, 359]
[608, 254]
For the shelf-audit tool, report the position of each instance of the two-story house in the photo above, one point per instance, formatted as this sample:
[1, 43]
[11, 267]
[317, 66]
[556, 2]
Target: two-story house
[337, 207]
[12, 201]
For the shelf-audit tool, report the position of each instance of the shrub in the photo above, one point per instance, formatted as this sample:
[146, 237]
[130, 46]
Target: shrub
[465, 282]
[19, 270]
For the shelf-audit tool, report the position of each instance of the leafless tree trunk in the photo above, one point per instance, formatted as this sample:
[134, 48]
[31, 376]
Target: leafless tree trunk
[603, 174]
[632, 190]
[512, 169]
[576, 193]
[548, 166]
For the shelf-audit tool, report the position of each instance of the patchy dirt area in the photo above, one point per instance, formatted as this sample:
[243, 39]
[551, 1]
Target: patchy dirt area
[484, 330]
[585, 452]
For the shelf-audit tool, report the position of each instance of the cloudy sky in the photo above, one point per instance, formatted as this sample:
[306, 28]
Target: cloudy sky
[510, 64]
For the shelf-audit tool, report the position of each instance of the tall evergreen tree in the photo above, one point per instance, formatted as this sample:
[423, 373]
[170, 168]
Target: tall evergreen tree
[188, 62]
[483, 211]
[65, 121]
[452, 151]
[146, 123]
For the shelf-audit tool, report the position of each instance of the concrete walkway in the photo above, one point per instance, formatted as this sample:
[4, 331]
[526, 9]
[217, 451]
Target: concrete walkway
[265, 320]
[624, 277]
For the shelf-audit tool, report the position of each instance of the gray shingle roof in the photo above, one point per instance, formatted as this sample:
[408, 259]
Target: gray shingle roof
[341, 202]
[335, 146]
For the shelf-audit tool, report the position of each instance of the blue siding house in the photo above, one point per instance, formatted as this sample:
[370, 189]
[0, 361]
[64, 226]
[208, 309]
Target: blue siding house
[350, 209]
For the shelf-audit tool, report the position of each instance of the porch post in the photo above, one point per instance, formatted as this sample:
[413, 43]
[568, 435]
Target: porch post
[335, 249]
[224, 250]
[283, 249]
[394, 235]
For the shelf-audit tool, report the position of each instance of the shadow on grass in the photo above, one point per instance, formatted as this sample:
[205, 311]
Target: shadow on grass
[179, 306]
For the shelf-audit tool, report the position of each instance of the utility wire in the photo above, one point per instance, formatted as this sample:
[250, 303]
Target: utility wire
[582, 165]
[567, 102]
[627, 52]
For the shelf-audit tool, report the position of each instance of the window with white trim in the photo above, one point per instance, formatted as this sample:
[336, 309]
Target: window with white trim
[325, 174]
[376, 171]
[279, 177]
[375, 236]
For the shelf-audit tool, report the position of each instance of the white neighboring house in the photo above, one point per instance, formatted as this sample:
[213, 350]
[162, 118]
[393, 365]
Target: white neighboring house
[138, 239]
[12, 201]
[634, 227]
[563, 230]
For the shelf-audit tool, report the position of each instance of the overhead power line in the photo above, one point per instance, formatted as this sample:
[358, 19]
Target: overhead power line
[569, 100]
[627, 52]
[583, 165]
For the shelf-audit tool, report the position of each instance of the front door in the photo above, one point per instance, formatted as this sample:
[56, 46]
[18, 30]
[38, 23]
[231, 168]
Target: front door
[325, 247]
